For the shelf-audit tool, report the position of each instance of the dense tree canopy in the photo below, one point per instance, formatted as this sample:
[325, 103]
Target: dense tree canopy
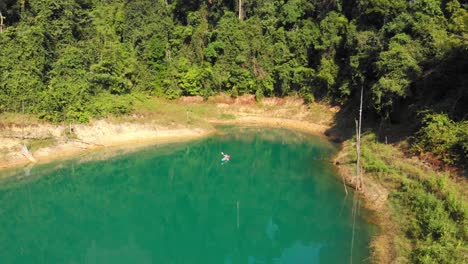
[75, 59]
[63, 58]
[59, 56]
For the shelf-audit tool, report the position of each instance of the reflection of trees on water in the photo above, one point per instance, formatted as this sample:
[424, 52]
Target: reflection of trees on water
[182, 207]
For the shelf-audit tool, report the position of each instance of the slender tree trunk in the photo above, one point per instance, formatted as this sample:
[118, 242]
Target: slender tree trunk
[1, 22]
[359, 184]
[240, 10]
[358, 146]
[358, 154]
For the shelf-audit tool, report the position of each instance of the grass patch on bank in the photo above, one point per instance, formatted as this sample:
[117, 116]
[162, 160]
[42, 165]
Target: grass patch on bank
[430, 207]
[17, 119]
[36, 144]
[320, 113]
[226, 117]
[165, 112]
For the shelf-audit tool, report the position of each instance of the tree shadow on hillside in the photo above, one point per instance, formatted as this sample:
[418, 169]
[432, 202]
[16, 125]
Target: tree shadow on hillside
[401, 125]
[398, 130]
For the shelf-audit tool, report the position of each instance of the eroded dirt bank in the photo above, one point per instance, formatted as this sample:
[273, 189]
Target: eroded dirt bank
[60, 141]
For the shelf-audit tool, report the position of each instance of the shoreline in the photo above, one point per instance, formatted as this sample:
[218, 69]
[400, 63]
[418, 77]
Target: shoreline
[74, 147]
[374, 197]
[70, 148]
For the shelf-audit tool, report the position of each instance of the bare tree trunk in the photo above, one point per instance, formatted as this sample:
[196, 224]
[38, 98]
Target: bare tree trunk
[240, 10]
[359, 181]
[358, 154]
[358, 146]
[1, 22]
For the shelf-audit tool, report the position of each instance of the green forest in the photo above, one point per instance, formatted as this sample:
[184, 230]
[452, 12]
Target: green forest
[74, 60]
[71, 60]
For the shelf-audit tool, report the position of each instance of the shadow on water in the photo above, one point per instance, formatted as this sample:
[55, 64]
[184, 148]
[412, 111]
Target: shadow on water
[275, 201]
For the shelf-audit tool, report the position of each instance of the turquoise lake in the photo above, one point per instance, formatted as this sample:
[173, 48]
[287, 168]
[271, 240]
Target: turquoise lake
[278, 200]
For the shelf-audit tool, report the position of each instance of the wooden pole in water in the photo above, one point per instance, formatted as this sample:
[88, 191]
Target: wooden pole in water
[358, 175]
[360, 124]
[344, 185]
[237, 214]
[358, 152]
[354, 227]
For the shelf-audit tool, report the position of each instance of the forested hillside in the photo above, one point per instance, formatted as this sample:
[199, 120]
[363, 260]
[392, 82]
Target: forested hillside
[76, 59]
[73, 60]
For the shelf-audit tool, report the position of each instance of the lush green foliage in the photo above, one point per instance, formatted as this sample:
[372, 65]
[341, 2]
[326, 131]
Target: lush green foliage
[59, 56]
[76, 59]
[433, 210]
[441, 136]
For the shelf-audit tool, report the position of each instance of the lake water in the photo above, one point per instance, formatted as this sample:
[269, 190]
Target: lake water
[276, 201]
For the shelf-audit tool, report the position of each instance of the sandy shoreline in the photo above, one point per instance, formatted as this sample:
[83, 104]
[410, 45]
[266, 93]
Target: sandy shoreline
[100, 135]
[48, 142]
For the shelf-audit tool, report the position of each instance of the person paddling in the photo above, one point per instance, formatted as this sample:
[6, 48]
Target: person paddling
[226, 157]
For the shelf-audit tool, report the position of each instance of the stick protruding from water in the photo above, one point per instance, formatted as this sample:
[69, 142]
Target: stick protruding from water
[237, 214]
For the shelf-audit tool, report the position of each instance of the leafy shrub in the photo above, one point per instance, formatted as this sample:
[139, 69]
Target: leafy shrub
[434, 253]
[443, 137]
[112, 104]
[435, 212]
